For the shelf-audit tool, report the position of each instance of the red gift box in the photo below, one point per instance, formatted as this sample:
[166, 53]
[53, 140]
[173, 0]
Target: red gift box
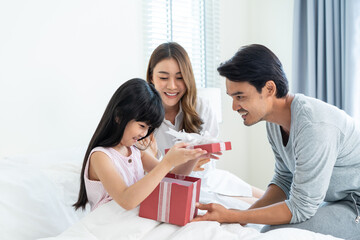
[173, 200]
[212, 147]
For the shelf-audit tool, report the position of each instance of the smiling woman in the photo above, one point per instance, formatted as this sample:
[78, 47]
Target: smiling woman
[170, 71]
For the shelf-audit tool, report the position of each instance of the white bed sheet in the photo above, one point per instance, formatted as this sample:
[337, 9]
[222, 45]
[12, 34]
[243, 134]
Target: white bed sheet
[37, 192]
[111, 222]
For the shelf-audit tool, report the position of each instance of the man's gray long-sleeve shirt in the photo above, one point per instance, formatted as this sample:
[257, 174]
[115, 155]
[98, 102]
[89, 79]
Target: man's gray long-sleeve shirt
[321, 160]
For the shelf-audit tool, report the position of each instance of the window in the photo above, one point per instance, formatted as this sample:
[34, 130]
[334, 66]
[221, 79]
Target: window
[352, 68]
[356, 93]
[194, 24]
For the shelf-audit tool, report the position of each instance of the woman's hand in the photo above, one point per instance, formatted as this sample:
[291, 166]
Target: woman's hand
[200, 163]
[179, 154]
[205, 159]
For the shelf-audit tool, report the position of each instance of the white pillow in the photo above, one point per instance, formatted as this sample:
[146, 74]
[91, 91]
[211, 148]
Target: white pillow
[37, 193]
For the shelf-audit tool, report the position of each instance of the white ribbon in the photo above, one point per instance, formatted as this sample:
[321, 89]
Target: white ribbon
[164, 202]
[222, 146]
[163, 213]
[192, 138]
[193, 201]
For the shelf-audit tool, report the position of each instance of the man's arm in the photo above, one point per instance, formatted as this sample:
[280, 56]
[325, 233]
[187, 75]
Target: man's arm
[270, 209]
[273, 194]
[274, 214]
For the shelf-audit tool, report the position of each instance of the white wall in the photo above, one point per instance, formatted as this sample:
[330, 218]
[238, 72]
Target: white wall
[234, 20]
[267, 22]
[60, 62]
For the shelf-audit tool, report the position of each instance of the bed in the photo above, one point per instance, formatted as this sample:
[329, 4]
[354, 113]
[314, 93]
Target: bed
[37, 192]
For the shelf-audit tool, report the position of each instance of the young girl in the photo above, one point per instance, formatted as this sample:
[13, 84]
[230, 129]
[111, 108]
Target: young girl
[113, 168]
[171, 73]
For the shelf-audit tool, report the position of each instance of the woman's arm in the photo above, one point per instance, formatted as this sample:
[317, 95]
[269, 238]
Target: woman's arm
[210, 125]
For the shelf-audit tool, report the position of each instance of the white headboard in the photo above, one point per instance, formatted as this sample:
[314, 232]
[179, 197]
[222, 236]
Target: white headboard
[213, 95]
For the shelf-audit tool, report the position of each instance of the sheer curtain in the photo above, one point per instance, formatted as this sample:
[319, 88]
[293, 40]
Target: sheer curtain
[194, 24]
[326, 52]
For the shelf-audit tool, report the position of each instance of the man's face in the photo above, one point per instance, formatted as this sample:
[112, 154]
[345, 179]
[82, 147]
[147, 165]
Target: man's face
[247, 101]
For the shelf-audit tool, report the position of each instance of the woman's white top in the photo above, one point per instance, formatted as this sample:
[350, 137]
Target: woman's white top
[165, 140]
[212, 180]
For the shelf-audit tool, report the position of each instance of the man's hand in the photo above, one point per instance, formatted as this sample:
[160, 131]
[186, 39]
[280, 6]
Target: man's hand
[215, 212]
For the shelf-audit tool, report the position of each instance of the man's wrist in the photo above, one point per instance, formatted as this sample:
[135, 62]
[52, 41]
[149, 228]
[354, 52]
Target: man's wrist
[233, 216]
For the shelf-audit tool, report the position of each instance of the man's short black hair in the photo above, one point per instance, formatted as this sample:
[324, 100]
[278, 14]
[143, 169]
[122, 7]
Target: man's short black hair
[256, 64]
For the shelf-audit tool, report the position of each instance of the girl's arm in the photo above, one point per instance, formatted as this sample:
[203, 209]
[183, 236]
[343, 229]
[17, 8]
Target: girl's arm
[188, 167]
[149, 162]
[102, 169]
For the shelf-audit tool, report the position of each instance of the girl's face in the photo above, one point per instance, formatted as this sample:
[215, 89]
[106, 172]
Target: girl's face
[133, 132]
[168, 81]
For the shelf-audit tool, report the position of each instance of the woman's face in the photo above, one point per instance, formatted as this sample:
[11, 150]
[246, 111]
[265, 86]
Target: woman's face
[169, 82]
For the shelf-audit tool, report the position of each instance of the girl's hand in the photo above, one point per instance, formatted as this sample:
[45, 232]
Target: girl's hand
[149, 144]
[179, 154]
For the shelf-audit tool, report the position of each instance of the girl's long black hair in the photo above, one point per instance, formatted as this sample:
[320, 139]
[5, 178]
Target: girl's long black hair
[134, 100]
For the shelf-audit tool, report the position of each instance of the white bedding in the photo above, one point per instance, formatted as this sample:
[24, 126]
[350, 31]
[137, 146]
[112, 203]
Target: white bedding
[111, 222]
[37, 192]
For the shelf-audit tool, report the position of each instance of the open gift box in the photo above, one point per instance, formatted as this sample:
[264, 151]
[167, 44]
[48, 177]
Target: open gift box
[173, 200]
[211, 147]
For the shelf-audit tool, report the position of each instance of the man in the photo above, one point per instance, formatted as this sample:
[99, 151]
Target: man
[316, 185]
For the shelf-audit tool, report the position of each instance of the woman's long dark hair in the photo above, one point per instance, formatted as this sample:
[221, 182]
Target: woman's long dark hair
[134, 100]
[192, 121]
